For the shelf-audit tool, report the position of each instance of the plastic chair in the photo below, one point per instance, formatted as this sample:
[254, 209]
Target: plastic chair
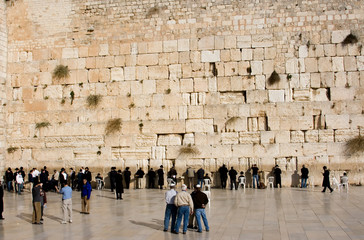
[170, 181]
[100, 184]
[206, 183]
[345, 183]
[311, 182]
[242, 182]
[335, 183]
[271, 182]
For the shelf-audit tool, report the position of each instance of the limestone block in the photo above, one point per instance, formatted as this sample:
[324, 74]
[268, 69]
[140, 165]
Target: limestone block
[258, 54]
[337, 121]
[325, 64]
[200, 85]
[147, 59]
[229, 138]
[360, 63]
[353, 79]
[70, 53]
[292, 65]
[315, 80]
[311, 65]
[311, 136]
[319, 95]
[195, 112]
[301, 95]
[158, 153]
[350, 64]
[230, 42]
[210, 56]
[262, 40]
[206, 43]
[186, 85]
[224, 84]
[249, 137]
[338, 64]
[315, 149]
[257, 96]
[104, 50]
[327, 79]
[164, 126]
[282, 136]
[330, 50]
[256, 67]
[244, 41]
[155, 47]
[117, 74]
[326, 135]
[335, 148]
[158, 72]
[270, 53]
[303, 51]
[199, 125]
[297, 137]
[241, 150]
[267, 137]
[344, 135]
[357, 121]
[276, 95]
[125, 48]
[189, 138]
[268, 66]
[149, 86]
[170, 46]
[247, 54]
[342, 93]
[339, 36]
[182, 112]
[291, 149]
[141, 72]
[207, 139]
[236, 124]
[54, 91]
[169, 139]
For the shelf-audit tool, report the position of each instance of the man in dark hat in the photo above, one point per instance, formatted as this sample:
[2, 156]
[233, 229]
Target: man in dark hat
[151, 178]
[119, 185]
[223, 171]
[112, 176]
[232, 174]
[160, 173]
[326, 181]
[277, 175]
[127, 176]
[9, 179]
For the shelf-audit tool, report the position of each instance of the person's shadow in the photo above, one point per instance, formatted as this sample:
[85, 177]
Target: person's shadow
[295, 178]
[157, 226]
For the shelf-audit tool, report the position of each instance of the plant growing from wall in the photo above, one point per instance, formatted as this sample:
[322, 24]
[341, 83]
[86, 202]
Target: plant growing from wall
[355, 145]
[168, 91]
[42, 125]
[63, 101]
[61, 72]
[93, 100]
[188, 150]
[350, 39]
[131, 105]
[141, 125]
[112, 126]
[152, 11]
[289, 76]
[72, 95]
[274, 78]
[12, 149]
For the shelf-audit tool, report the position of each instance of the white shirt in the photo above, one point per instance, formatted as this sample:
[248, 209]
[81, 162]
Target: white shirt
[170, 196]
[35, 173]
[19, 179]
[64, 176]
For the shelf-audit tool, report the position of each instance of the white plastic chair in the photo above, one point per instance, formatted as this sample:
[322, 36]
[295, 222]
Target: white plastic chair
[242, 182]
[345, 183]
[311, 182]
[335, 183]
[207, 186]
[271, 182]
[170, 181]
[100, 184]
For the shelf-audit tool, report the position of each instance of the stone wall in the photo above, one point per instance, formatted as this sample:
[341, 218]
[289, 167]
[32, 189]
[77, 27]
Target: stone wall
[185, 72]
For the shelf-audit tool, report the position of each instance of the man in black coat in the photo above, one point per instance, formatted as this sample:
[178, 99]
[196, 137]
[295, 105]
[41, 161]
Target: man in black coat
[326, 181]
[277, 175]
[88, 175]
[9, 176]
[112, 176]
[139, 176]
[151, 176]
[1, 201]
[127, 175]
[223, 175]
[119, 188]
[304, 176]
[160, 173]
[232, 175]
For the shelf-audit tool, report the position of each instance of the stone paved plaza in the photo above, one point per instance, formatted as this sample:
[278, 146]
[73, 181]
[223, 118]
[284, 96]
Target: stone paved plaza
[287, 213]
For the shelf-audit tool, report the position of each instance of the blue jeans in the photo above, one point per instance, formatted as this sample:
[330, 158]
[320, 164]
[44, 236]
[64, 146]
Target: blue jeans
[10, 185]
[171, 209]
[303, 182]
[200, 212]
[183, 211]
[200, 182]
[20, 187]
[255, 178]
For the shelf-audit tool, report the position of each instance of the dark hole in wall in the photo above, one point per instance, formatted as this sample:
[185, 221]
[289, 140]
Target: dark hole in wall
[328, 93]
[214, 69]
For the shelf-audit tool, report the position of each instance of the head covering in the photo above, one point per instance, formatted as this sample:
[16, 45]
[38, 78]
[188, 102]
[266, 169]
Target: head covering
[184, 187]
[197, 186]
[172, 185]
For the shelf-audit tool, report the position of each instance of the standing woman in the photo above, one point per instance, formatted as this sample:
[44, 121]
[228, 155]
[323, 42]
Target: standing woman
[326, 181]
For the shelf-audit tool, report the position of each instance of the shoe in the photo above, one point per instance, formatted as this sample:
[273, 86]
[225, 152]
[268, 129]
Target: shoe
[195, 227]
[189, 226]
[86, 213]
[41, 219]
[207, 230]
[63, 222]
[165, 230]
[322, 191]
[1, 218]
[174, 232]
[199, 231]
[70, 221]
[331, 191]
[184, 232]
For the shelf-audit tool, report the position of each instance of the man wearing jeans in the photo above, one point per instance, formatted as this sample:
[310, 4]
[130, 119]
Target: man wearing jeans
[66, 192]
[255, 175]
[171, 209]
[184, 203]
[199, 202]
[304, 176]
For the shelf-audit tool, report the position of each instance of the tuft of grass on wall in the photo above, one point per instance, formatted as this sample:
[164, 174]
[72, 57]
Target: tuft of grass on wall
[42, 125]
[152, 11]
[350, 39]
[274, 78]
[188, 150]
[355, 145]
[93, 100]
[61, 72]
[12, 149]
[112, 126]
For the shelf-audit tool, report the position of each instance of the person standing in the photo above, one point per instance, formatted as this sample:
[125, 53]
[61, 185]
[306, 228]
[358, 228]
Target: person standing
[171, 209]
[66, 192]
[127, 176]
[326, 180]
[173, 174]
[88, 175]
[255, 175]
[20, 182]
[1, 201]
[232, 174]
[200, 175]
[85, 196]
[30, 179]
[304, 176]
[43, 178]
[119, 185]
[277, 175]
[151, 178]
[191, 175]
[36, 193]
[9, 179]
[55, 178]
[160, 173]
[112, 176]
[223, 171]
[199, 202]
[139, 176]
[72, 178]
[79, 180]
[184, 203]
[14, 179]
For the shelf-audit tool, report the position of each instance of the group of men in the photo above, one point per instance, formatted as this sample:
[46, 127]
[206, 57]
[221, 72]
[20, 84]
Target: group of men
[182, 205]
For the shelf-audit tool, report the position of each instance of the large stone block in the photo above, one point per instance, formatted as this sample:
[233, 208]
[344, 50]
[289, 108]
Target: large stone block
[170, 139]
[262, 40]
[337, 121]
[147, 59]
[276, 95]
[199, 125]
[210, 56]
[339, 36]
[70, 53]
[229, 138]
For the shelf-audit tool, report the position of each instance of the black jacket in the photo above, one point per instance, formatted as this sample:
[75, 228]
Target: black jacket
[304, 173]
[223, 172]
[199, 198]
[233, 173]
[119, 182]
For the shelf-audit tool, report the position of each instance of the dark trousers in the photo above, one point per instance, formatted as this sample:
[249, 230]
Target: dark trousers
[151, 183]
[278, 182]
[119, 194]
[127, 183]
[223, 183]
[112, 185]
[328, 188]
[233, 181]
